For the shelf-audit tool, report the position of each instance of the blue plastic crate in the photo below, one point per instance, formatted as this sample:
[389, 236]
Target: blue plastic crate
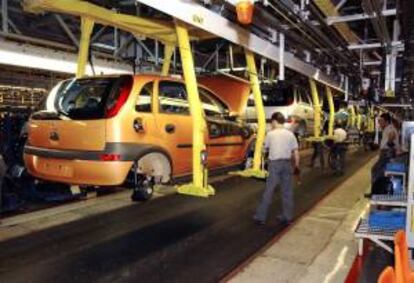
[396, 167]
[393, 220]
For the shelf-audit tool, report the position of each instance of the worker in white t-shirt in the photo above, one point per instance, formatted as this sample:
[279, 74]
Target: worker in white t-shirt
[339, 148]
[283, 147]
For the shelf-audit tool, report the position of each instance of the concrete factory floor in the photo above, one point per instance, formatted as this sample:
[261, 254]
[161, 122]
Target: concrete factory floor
[176, 238]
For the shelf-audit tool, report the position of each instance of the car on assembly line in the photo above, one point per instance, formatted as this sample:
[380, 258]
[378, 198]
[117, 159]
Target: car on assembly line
[134, 130]
[292, 101]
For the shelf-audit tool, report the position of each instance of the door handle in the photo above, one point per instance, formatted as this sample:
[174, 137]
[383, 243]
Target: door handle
[139, 125]
[170, 128]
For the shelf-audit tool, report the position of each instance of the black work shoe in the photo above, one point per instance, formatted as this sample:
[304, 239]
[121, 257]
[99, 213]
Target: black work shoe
[259, 221]
[282, 220]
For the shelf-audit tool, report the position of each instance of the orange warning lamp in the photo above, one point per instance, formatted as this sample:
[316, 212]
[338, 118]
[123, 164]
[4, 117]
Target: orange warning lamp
[244, 9]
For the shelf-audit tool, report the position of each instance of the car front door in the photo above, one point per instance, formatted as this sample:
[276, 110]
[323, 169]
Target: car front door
[224, 142]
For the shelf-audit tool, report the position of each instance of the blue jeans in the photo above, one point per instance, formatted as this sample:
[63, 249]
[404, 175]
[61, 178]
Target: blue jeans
[280, 173]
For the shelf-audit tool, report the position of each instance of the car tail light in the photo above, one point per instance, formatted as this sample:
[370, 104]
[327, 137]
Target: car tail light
[110, 157]
[124, 91]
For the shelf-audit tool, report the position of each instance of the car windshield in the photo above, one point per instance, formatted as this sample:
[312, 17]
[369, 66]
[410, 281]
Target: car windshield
[277, 96]
[87, 98]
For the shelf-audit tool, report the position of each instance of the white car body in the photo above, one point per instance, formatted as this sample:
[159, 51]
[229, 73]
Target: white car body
[294, 103]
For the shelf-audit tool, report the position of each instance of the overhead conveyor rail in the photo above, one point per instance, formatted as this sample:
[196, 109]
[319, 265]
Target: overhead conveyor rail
[194, 14]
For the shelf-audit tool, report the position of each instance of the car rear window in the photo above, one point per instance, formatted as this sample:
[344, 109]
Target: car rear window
[277, 96]
[87, 98]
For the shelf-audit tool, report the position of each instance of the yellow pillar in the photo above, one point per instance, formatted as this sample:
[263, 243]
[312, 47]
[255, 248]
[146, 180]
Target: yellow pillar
[317, 111]
[256, 170]
[331, 111]
[261, 118]
[86, 30]
[371, 121]
[359, 120]
[168, 52]
[199, 187]
[352, 116]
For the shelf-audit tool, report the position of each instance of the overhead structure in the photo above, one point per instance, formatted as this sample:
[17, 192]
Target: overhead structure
[204, 19]
[328, 8]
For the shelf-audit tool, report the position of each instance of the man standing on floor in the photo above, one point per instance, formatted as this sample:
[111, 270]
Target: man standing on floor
[282, 146]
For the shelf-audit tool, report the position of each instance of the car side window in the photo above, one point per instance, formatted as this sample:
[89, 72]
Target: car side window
[144, 99]
[212, 106]
[305, 97]
[173, 98]
[301, 96]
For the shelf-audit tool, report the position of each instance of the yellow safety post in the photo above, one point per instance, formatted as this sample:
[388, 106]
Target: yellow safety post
[86, 31]
[352, 116]
[331, 111]
[200, 186]
[371, 121]
[256, 170]
[168, 53]
[317, 113]
[359, 119]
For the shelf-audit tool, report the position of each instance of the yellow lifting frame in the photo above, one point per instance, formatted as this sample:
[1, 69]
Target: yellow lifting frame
[352, 117]
[371, 120]
[86, 31]
[163, 31]
[200, 186]
[331, 111]
[168, 53]
[358, 119]
[317, 113]
[256, 170]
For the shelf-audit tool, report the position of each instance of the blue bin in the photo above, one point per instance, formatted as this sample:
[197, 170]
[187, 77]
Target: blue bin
[396, 167]
[387, 220]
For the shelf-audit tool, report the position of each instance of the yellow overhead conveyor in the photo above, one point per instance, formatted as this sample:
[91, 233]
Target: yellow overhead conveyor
[164, 31]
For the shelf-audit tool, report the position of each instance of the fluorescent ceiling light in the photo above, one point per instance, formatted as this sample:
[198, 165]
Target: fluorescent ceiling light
[30, 56]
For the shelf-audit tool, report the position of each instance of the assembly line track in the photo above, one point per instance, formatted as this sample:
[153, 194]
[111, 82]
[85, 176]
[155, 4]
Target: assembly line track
[170, 239]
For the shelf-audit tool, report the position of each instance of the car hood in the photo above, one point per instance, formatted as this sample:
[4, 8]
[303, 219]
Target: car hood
[234, 92]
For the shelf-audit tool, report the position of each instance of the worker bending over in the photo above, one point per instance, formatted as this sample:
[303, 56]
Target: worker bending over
[282, 146]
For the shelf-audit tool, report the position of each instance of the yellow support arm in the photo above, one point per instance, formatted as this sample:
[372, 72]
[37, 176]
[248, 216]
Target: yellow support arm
[371, 120]
[261, 118]
[352, 117]
[317, 110]
[256, 170]
[359, 120]
[199, 186]
[86, 31]
[163, 31]
[331, 111]
[168, 53]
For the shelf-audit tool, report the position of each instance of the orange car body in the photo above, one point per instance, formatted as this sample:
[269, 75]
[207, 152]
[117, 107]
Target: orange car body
[101, 151]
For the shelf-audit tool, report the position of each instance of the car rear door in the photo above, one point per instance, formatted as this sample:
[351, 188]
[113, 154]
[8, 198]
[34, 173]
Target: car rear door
[174, 124]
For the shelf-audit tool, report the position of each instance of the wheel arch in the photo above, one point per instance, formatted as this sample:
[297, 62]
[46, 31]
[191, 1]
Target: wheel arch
[156, 159]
